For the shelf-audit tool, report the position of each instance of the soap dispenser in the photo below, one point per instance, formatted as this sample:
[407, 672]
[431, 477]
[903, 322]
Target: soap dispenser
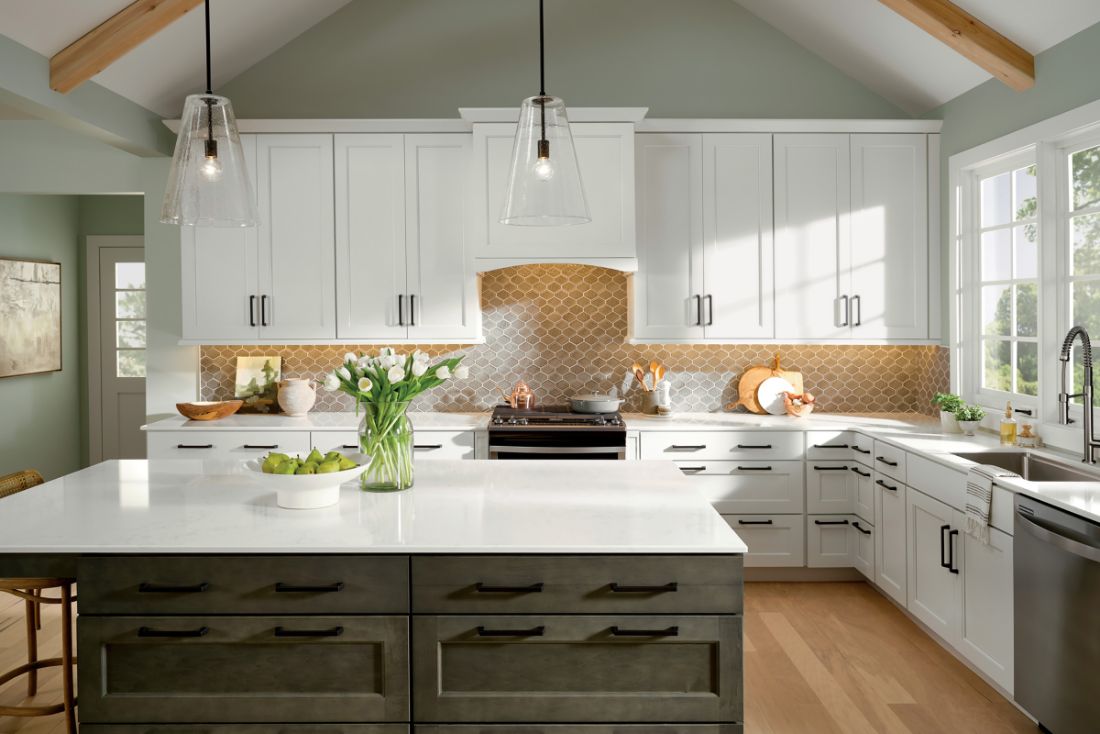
[1008, 427]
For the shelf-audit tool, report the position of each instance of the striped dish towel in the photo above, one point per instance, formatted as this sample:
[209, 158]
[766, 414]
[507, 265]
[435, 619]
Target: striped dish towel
[979, 498]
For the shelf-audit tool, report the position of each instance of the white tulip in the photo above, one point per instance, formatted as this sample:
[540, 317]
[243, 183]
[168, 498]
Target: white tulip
[396, 374]
[385, 351]
[344, 373]
[365, 362]
[419, 368]
[365, 384]
[419, 356]
[332, 383]
[443, 372]
[462, 372]
[386, 361]
[350, 358]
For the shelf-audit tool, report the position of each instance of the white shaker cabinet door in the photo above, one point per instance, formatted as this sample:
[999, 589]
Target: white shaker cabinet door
[297, 248]
[985, 635]
[812, 239]
[933, 572]
[667, 290]
[890, 545]
[889, 236]
[738, 256]
[443, 300]
[370, 236]
[218, 271]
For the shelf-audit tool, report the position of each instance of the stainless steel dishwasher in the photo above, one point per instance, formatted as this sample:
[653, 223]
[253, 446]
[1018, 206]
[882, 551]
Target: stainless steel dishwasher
[1057, 607]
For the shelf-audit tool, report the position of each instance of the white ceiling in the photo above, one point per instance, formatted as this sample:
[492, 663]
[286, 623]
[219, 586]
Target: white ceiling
[902, 63]
[159, 73]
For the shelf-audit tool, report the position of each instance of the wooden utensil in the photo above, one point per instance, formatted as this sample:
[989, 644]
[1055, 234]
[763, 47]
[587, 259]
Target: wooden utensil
[640, 376]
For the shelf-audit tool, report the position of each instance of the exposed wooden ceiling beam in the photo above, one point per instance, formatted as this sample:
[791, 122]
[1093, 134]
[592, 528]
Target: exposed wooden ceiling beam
[972, 38]
[113, 38]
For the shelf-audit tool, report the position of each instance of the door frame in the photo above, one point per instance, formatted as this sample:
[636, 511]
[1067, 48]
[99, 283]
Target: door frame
[93, 244]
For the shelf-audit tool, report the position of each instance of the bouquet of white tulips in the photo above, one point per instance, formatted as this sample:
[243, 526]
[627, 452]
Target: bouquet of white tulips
[384, 386]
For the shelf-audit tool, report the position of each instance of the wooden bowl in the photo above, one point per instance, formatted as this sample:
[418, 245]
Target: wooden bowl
[209, 411]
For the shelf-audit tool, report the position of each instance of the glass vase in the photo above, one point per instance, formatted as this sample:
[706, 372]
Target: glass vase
[386, 435]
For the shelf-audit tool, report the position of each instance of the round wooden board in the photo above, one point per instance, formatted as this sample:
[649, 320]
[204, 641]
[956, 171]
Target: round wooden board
[753, 376]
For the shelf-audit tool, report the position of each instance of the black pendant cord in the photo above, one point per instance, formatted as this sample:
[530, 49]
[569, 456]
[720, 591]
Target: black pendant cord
[544, 145]
[209, 85]
[210, 144]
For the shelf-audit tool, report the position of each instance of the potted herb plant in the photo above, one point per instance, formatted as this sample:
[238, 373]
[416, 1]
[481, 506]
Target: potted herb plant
[383, 387]
[969, 418]
[948, 403]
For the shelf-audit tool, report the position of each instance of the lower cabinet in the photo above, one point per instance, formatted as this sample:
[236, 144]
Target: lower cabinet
[863, 547]
[773, 540]
[607, 668]
[932, 572]
[220, 445]
[829, 541]
[580, 729]
[830, 487]
[246, 729]
[890, 545]
[743, 487]
[864, 493]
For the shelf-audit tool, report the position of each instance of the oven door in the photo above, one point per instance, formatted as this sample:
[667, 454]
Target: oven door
[512, 453]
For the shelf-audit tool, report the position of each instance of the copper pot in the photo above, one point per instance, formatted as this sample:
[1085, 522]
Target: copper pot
[521, 397]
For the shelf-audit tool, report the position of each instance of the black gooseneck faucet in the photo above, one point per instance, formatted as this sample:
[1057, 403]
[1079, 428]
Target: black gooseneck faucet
[1091, 444]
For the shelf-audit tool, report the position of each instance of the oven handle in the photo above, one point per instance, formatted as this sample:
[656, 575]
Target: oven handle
[557, 450]
[1077, 548]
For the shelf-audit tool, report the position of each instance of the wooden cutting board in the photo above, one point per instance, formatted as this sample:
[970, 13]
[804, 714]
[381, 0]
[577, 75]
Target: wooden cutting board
[753, 376]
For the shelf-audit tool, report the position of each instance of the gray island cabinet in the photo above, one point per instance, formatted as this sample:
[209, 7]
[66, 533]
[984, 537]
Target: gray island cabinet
[493, 597]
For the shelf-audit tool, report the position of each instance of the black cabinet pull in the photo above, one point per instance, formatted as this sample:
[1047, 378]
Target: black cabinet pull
[349, 446]
[865, 475]
[329, 632]
[847, 308]
[687, 447]
[831, 522]
[533, 632]
[830, 468]
[951, 551]
[944, 562]
[754, 522]
[194, 445]
[862, 451]
[884, 485]
[692, 468]
[710, 309]
[150, 632]
[263, 310]
[488, 589]
[751, 446]
[261, 446]
[754, 468]
[662, 589]
[252, 310]
[1025, 411]
[412, 310]
[427, 446]
[672, 631]
[283, 588]
[400, 309]
[830, 446]
[146, 587]
[698, 310]
[859, 527]
[857, 303]
[886, 461]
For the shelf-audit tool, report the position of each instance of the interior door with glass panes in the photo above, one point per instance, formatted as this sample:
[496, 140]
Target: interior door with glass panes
[122, 351]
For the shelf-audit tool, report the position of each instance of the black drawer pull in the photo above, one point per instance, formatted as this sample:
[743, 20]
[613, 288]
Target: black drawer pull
[754, 468]
[488, 589]
[330, 632]
[886, 461]
[865, 475]
[672, 631]
[150, 632]
[533, 632]
[261, 446]
[688, 447]
[349, 446]
[693, 468]
[831, 522]
[282, 588]
[751, 446]
[831, 446]
[884, 485]
[862, 451]
[661, 589]
[146, 587]
[859, 527]
[830, 468]
[754, 522]
[194, 445]
[427, 446]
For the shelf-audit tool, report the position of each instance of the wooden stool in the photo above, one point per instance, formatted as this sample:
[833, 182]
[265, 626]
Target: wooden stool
[30, 590]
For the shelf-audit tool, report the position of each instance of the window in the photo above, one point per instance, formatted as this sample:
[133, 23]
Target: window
[130, 319]
[1081, 228]
[1006, 238]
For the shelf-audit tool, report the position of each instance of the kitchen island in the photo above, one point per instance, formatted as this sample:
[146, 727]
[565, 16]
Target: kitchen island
[580, 596]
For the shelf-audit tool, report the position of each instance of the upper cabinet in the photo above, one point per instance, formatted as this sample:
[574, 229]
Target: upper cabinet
[605, 154]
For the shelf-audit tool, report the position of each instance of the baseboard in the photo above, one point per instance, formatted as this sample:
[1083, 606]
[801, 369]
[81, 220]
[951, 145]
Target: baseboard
[803, 574]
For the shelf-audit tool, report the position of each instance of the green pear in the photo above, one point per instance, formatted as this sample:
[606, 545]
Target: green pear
[346, 463]
[315, 457]
[287, 467]
[328, 467]
[307, 468]
[332, 455]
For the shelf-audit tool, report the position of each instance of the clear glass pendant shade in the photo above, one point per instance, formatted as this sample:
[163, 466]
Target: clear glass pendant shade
[208, 185]
[544, 188]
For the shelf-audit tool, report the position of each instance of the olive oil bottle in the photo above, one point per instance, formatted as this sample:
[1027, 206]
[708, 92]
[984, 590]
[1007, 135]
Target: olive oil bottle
[1008, 427]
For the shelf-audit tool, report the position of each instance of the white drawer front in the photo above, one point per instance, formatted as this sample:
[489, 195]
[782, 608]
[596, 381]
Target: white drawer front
[427, 445]
[723, 445]
[890, 460]
[865, 493]
[748, 486]
[242, 445]
[830, 487]
[863, 449]
[773, 540]
[863, 547]
[829, 445]
[829, 541]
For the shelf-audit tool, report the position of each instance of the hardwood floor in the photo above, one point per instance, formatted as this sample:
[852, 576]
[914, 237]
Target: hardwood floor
[819, 658]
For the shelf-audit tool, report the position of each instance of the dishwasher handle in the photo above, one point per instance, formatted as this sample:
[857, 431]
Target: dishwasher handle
[1076, 547]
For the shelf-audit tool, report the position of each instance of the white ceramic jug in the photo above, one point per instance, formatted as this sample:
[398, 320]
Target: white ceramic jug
[297, 395]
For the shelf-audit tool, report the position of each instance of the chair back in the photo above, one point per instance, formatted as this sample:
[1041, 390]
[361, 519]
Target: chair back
[15, 483]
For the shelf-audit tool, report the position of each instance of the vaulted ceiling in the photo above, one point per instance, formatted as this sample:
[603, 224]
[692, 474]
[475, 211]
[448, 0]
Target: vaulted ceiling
[862, 38]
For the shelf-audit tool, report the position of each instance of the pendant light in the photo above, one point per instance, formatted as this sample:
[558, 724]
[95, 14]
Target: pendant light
[208, 185]
[544, 187]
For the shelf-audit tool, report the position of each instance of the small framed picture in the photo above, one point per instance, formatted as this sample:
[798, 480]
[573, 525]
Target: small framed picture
[30, 317]
[258, 383]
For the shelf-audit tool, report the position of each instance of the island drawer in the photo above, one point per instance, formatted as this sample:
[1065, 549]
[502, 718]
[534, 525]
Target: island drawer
[246, 729]
[577, 668]
[426, 444]
[718, 445]
[695, 584]
[579, 729]
[330, 584]
[242, 445]
[748, 486]
[313, 669]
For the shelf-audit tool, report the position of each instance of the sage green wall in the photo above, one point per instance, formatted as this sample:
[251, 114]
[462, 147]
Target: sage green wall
[42, 414]
[427, 58]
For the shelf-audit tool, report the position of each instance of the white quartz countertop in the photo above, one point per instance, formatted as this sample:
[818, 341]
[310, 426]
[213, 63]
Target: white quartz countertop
[317, 422]
[195, 506]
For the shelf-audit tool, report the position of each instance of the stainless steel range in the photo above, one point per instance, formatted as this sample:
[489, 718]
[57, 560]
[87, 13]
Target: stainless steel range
[555, 432]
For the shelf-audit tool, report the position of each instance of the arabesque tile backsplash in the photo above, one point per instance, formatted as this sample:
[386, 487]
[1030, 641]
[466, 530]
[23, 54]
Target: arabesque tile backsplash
[562, 329]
